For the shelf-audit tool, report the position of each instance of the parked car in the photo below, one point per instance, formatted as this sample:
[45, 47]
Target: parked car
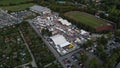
[69, 65]
[74, 58]
[66, 61]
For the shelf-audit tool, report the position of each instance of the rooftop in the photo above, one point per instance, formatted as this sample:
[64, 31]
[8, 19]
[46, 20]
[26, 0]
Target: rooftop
[39, 8]
[60, 40]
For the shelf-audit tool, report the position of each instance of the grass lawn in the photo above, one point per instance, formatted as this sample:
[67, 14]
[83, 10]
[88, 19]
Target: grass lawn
[85, 19]
[17, 7]
[7, 2]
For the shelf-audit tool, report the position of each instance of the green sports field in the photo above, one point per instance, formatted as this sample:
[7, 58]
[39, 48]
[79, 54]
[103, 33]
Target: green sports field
[86, 19]
[7, 2]
[17, 7]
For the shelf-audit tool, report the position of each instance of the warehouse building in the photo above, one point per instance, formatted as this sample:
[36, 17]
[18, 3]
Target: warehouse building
[61, 43]
[40, 9]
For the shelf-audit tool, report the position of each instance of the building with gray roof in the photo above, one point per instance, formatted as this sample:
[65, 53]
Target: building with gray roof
[40, 9]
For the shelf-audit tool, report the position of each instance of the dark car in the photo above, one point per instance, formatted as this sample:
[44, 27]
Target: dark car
[66, 61]
[74, 58]
[69, 65]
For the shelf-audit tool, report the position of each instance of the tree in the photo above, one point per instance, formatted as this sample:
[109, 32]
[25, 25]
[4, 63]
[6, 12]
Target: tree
[93, 63]
[111, 61]
[46, 32]
[84, 57]
[87, 44]
[110, 35]
[101, 52]
[102, 40]
[117, 33]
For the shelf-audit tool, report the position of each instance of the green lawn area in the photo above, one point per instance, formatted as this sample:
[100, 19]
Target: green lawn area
[85, 19]
[7, 2]
[17, 7]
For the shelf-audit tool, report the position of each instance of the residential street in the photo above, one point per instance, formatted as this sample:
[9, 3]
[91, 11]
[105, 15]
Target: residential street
[33, 59]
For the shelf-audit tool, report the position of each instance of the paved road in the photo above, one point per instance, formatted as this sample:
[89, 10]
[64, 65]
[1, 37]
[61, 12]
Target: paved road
[56, 54]
[33, 59]
[23, 65]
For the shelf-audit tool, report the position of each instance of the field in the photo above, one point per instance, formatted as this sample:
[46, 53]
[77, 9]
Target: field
[13, 51]
[7, 2]
[17, 7]
[87, 19]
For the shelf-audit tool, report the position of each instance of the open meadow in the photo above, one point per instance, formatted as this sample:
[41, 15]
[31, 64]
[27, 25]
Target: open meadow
[7, 2]
[17, 7]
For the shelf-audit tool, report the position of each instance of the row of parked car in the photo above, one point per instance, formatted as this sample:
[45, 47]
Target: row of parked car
[73, 61]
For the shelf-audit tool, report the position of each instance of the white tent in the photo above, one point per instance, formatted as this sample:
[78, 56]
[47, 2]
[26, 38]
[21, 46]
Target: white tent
[83, 32]
[60, 40]
[64, 22]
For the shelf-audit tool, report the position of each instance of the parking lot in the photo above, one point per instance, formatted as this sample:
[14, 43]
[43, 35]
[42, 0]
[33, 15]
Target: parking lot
[7, 19]
[22, 14]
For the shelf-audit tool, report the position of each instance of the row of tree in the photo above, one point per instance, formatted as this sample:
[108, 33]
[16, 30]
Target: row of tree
[110, 7]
